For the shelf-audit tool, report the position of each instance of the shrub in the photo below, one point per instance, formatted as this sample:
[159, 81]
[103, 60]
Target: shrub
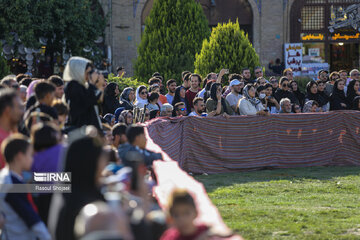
[228, 47]
[125, 82]
[174, 32]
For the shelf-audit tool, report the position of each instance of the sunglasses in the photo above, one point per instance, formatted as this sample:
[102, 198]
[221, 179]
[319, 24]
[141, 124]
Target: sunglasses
[356, 74]
[182, 109]
[143, 93]
[273, 81]
[257, 72]
[286, 85]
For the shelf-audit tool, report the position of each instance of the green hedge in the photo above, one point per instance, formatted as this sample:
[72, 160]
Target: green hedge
[125, 82]
[174, 32]
[228, 47]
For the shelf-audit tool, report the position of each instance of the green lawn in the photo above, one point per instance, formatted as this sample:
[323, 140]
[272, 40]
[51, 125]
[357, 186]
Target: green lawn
[302, 203]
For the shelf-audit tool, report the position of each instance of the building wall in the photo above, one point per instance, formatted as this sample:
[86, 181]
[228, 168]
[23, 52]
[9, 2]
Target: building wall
[270, 29]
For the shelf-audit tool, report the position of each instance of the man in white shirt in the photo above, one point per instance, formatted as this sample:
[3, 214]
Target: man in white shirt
[234, 97]
[199, 108]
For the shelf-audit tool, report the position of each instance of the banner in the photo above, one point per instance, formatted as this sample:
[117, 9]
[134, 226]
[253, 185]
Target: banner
[293, 57]
[219, 145]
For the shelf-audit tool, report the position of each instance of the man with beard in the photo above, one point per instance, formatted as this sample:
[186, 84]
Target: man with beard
[234, 97]
[195, 81]
[11, 112]
[199, 108]
[247, 76]
[171, 86]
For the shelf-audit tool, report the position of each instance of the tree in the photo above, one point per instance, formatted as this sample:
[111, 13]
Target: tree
[74, 24]
[4, 68]
[173, 35]
[228, 47]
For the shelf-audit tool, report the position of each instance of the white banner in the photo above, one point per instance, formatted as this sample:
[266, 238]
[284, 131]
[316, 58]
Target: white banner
[293, 57]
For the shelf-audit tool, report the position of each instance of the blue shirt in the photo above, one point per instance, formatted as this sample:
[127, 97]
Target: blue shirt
[169, 98]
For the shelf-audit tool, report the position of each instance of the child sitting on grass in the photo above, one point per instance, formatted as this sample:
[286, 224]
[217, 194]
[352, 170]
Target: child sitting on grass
[22, 221]
[183, 212]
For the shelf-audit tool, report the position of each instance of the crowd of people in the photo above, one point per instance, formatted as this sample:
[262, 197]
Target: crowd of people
[80, 123]
[243, 95]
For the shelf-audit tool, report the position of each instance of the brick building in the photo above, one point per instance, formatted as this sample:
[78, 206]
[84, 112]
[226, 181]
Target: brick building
[269, 23]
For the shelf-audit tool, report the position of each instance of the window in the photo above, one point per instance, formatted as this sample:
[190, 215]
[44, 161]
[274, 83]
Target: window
[312, 18]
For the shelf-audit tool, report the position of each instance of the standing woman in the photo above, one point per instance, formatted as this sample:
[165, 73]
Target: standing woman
[111, 98]
[127, 98]
[180, 96]
[352, 92]
[81, 93]
[338, 99]
[141, 97]
[217, 103]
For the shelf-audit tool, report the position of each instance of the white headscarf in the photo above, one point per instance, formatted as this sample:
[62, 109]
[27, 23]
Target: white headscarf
[75, 69]
[139, 101]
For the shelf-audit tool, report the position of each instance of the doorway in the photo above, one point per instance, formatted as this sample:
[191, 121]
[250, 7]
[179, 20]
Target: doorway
[344, 56]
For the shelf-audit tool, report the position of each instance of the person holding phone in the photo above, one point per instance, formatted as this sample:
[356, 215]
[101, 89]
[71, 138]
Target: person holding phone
[217, 103]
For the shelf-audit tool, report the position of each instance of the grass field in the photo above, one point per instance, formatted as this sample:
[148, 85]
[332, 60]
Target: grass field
[302, 203]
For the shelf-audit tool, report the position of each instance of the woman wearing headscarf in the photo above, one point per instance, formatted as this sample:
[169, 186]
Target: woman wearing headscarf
[338, 99]
[141, 97]
[180, 96]
[296, 91]
[311, 106]
[127, 98]
[30, 94]
[352, 92]
[249, 105]
[217, 103]
[356, 103]
[313, 94]
[110, 119]
[111, 98]
[324, 97]
[126, 117]
[85, 159]
[81, 94]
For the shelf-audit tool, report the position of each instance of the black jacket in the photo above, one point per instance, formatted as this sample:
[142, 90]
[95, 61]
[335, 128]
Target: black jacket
[148, 156]
[280, 94]
[82, 103]
[110, 104]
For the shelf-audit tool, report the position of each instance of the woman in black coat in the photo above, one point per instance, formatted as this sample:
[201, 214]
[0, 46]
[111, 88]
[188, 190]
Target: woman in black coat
[352, 92]
[313, 93]
[338, 99]
[81, 94]
[127, 98]
[298, 94]
[111, 98]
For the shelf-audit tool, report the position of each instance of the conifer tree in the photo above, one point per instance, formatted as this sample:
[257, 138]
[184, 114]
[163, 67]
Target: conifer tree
[174, 32]
[228, 47]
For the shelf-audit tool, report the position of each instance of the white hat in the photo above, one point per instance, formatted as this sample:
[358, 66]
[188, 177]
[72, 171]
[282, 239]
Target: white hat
[235, 82]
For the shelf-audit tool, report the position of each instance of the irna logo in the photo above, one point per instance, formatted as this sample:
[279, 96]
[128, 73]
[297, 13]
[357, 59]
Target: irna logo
[52, 177]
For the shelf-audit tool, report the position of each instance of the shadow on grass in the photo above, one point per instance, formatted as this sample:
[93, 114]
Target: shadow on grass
[211, 182]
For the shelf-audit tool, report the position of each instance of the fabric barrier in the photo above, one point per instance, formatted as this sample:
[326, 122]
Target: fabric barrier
[218, 145]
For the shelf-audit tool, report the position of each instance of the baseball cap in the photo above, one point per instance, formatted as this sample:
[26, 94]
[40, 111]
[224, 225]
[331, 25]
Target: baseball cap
[234, 82]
